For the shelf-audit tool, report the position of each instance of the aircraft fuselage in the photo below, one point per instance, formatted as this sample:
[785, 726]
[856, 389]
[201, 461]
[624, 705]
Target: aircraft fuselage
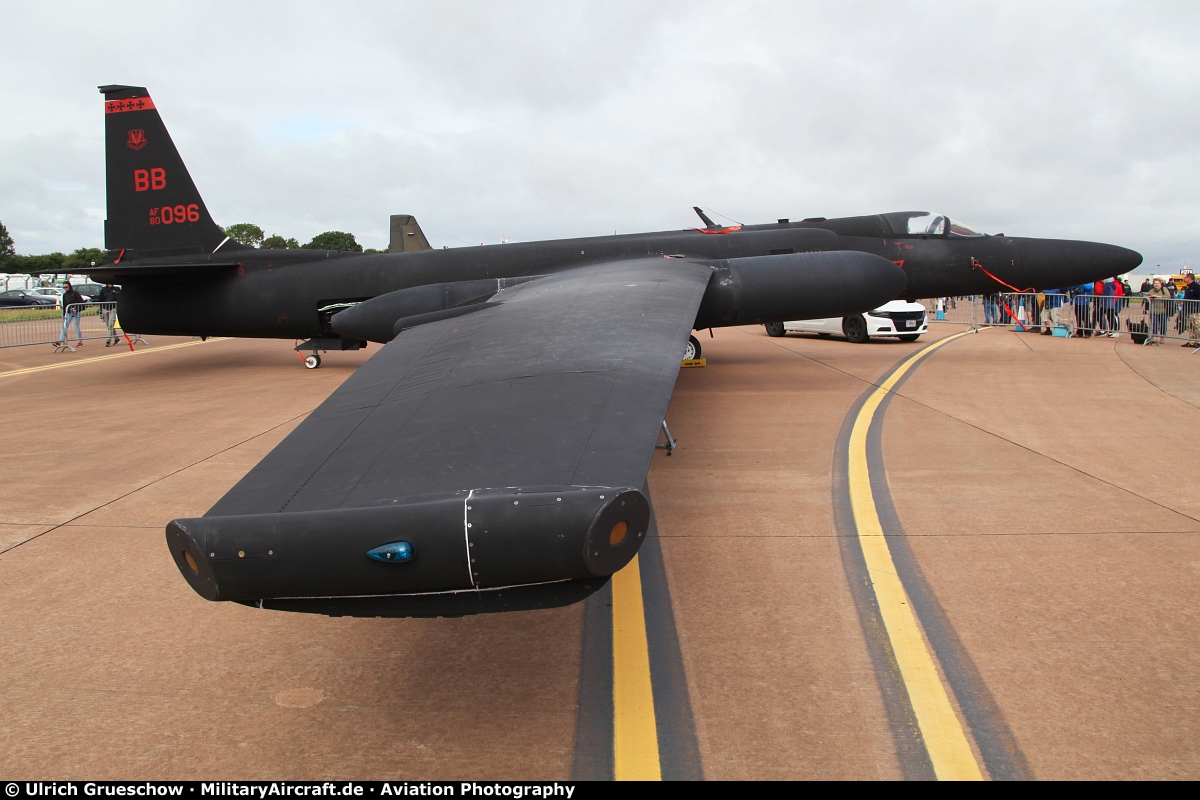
[281, 293]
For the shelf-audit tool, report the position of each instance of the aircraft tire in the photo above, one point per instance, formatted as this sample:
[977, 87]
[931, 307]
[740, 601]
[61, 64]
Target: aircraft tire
[909, 337]
[775, 329]
[691, 349]
[855, 328]
[313, 361]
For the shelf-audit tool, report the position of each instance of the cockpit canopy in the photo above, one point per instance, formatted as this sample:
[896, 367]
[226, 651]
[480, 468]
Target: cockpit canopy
[922, 223]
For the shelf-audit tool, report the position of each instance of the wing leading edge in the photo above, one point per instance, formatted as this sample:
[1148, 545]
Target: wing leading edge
[506, 447]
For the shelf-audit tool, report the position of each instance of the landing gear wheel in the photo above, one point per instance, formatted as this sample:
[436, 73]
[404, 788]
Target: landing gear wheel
[313, 361]
[775, 329]
[691, 349]
[855, 328]
[909, 337]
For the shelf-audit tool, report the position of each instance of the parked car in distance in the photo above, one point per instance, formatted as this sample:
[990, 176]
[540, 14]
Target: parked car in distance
[904, 320]
[90, 291]
[25, 297]
[53, 292]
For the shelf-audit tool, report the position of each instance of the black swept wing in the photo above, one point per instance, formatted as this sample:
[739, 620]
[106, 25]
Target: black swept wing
[549, 398]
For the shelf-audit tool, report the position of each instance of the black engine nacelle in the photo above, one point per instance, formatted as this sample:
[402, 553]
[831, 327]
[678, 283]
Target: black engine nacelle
[381, 318]
[760, 289]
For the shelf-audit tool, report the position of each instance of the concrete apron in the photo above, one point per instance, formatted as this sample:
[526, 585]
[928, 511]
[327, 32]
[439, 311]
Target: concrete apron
[1061, 550]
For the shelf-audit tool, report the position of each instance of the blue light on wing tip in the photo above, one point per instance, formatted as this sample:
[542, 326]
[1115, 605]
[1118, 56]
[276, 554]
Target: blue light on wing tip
[392, 552]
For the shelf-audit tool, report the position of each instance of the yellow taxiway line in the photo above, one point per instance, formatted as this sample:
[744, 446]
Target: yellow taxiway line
[64, 364]
[635, 730]
[946, 742]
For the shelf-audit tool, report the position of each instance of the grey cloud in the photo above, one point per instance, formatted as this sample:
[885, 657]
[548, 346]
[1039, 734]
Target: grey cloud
[537, 120]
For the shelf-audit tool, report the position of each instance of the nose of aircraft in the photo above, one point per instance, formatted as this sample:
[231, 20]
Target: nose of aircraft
[1053, 263]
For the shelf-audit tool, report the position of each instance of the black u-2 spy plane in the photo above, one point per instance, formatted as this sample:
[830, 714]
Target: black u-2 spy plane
[493, 455]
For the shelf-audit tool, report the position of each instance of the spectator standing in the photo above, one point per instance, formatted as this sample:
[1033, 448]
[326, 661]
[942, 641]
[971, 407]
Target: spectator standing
[1181, 317]
[1158, 300]
[72, 303]
[1106, 301]
[991, 309]
[108, 312]
[1146, 286]
[1053, 310]
[1083, 308]
[1118, 305]
[1191, 307]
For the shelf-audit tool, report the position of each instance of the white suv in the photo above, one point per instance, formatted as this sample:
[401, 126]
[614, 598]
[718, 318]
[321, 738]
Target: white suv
[900, 318]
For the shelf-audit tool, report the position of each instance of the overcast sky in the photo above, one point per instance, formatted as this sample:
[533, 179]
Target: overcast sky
[543, 120]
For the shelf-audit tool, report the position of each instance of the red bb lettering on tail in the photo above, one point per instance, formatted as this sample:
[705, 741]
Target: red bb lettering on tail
[155, 179]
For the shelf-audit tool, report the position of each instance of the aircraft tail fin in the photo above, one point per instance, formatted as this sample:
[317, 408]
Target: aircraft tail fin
[407, 236]
[154, 208]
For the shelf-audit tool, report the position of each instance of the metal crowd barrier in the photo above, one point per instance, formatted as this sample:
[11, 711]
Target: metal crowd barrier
[80, 322]
[1146, 320]
[956, 310]
[1155, 319]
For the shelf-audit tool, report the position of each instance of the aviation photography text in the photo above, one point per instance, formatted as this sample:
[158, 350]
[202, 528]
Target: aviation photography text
[264, 789]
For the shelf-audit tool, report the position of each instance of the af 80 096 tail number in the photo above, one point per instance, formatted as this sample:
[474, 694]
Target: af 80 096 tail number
[174, 215]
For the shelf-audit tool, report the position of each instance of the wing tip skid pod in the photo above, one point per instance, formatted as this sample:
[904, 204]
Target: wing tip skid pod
[500, 543]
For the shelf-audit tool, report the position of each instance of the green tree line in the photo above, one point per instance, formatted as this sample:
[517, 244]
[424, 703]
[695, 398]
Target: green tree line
[12, 261]
[251, 235]
[244, 232]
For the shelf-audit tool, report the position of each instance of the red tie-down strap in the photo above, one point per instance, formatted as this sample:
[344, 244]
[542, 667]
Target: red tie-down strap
[1013, 314]
[730, 229]
[975, 263]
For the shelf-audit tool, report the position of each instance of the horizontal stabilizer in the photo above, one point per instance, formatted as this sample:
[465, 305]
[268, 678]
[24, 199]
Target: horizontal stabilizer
[119, 271]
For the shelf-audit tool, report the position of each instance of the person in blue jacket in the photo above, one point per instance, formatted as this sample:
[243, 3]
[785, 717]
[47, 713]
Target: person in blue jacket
[1082, 298]
[1108, 309]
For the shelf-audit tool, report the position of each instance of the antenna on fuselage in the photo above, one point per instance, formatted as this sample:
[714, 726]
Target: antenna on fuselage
[707, 222]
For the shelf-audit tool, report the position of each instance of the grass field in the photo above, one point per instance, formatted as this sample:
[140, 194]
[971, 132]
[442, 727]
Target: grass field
[26, 314]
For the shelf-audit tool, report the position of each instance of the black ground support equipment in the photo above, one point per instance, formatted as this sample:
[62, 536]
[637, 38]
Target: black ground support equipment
[1138, 331]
